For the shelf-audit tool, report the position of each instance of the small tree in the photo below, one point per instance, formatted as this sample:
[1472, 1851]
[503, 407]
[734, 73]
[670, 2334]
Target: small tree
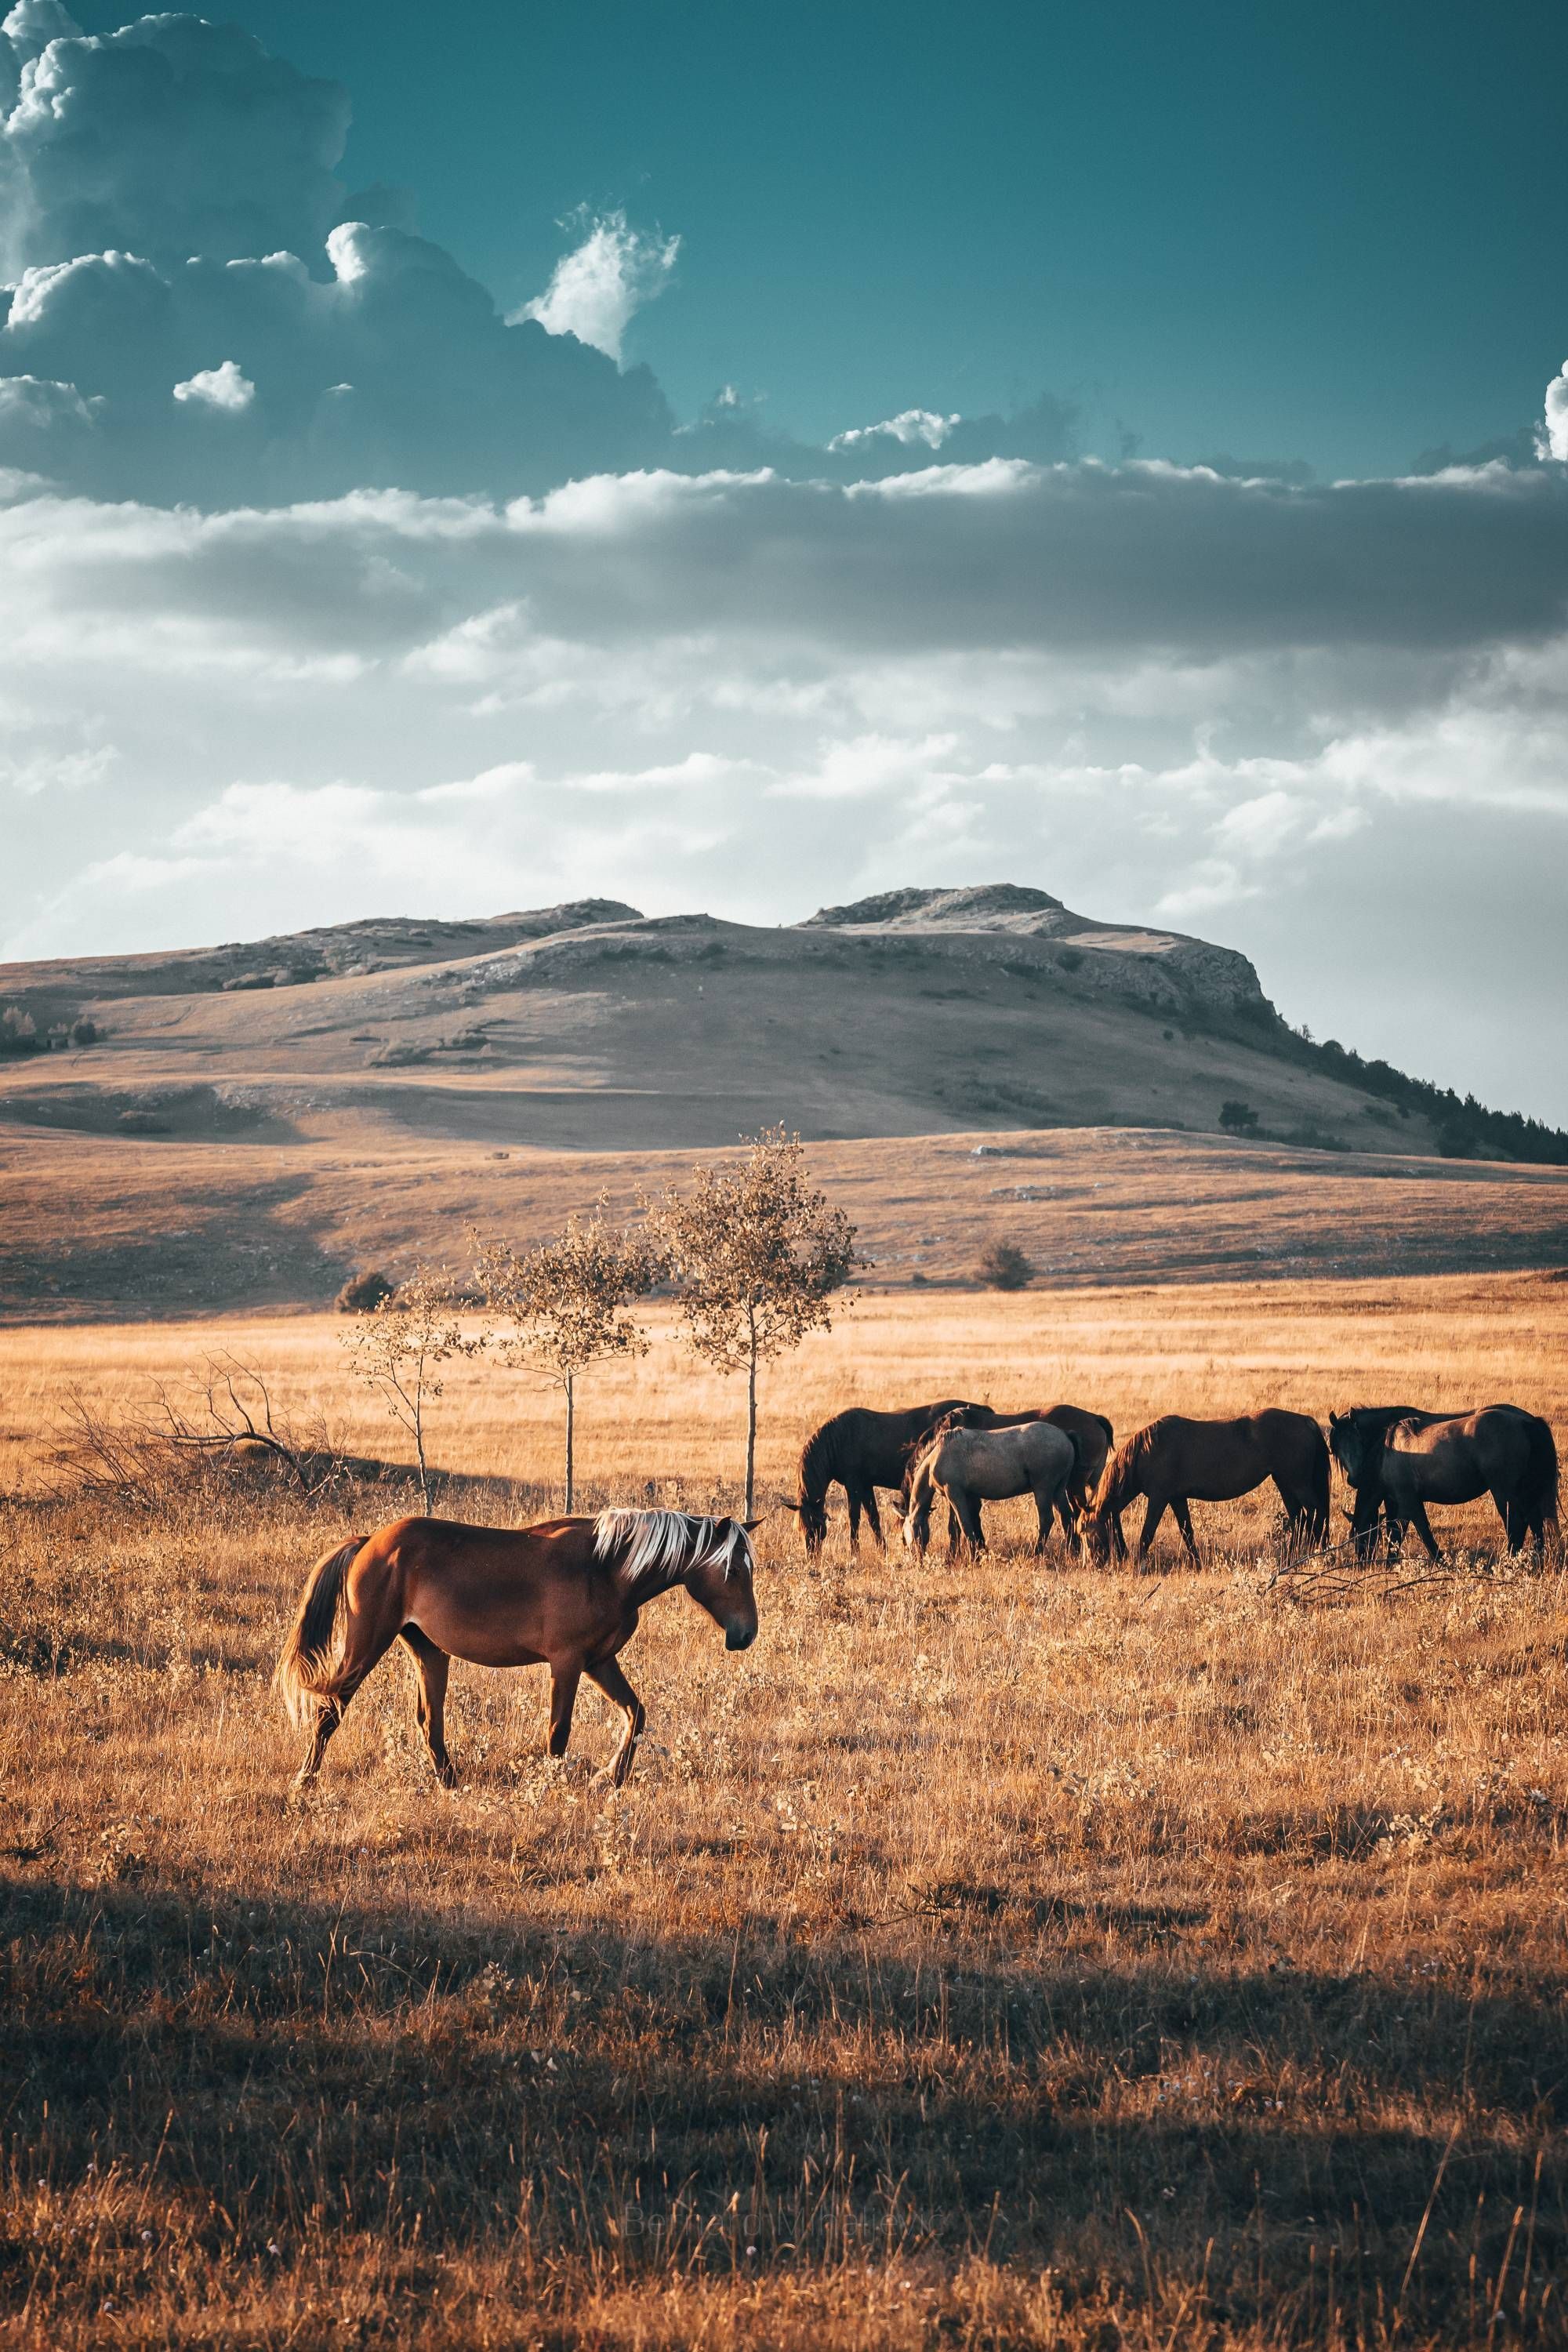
[756, 1254]
[398, 1350]
[1004, 1266]
[1238, 1117]
[566, 1302]
[18, 1031]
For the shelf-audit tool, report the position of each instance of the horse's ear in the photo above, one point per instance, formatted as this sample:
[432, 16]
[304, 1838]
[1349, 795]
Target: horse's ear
[751, 1526]
[783, 1503]
[1333, 1418]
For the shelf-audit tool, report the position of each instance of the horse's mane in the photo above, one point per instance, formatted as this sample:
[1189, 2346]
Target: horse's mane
[662, 1546]
[819, 1455]
[1120, 1469]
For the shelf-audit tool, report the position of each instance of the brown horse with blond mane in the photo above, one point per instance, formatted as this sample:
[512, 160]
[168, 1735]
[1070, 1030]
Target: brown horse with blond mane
[1174, 1462]
[564, 1594]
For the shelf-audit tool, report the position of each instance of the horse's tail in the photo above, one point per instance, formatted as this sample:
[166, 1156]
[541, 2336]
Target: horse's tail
[1109, 1429]
[1541, 1473]
[1320, 1482]
[310, 1663]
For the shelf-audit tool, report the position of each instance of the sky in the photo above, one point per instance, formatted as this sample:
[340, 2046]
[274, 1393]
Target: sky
[721, 458]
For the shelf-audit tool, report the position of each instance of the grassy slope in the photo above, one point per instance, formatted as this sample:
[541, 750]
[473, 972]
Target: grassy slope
[1016, 1956]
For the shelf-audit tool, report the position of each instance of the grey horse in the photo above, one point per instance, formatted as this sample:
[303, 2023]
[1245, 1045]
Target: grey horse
[974, 1466]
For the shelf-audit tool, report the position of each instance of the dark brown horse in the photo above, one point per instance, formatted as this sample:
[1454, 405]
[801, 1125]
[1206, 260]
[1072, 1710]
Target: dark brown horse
[1405, 1462]
[1174, 1462]
[564, 1594]
[861, 1450]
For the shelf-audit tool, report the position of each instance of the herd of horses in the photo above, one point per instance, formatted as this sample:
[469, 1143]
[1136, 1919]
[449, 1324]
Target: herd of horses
[567, 1592]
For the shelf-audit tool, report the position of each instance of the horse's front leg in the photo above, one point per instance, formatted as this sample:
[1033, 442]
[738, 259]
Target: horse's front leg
[1184, 1520]
[852, 1496]
[968, 1506]
[431, 1668]
[872, 1521]
[615, 1686]
[563, 1682]
[1046, 1499]
[1154, 1512]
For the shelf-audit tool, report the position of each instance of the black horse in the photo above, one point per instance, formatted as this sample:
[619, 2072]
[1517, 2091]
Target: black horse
[861, 1450]
[1426, 1457]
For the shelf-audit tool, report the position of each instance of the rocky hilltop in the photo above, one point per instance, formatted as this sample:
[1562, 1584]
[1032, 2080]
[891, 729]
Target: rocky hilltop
[241, 1125]
[591, 1026]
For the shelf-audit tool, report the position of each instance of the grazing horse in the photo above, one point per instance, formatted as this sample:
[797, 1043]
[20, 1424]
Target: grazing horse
[1369, 1506]
[1405, 1462]
[1032, 1457]
[861, 1450]
[1175, 1460]
[564, 1594]
[1095, 1436]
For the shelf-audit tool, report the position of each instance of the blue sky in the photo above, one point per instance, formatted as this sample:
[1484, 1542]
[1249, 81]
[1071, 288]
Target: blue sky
[1061, 520]
[1334, 234]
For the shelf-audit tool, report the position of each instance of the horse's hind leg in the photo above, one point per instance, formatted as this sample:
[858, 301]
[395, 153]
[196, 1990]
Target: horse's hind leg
[1423, 1526]
[1184, 1520]
[1514, 1516]
[615, 1686]
[431, 1667]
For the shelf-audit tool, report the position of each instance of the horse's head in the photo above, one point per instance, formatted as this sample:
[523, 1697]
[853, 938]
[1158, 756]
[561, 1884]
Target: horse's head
[812, 1512]
[919, 1494]
[1092, 1528]
[1356, 1441]
[720, 1579]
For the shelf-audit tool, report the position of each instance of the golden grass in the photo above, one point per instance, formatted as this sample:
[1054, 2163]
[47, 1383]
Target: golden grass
[1005, 1955]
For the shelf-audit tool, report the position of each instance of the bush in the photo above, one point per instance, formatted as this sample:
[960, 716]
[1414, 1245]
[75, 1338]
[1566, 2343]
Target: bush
[361, 1294]
[84, 1032]
[1004, 1266]
[1238, 1117]
[18, 1031]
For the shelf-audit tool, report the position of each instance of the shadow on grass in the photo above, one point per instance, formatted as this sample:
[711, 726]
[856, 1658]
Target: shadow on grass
[637, 2103]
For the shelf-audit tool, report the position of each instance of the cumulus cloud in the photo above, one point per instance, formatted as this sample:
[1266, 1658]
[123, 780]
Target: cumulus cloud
[169, 137]
[1555, 424]
[594, 290]
[911, 428]
[221, 387]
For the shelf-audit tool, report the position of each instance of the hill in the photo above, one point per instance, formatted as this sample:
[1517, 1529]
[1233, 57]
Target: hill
[248, 1120]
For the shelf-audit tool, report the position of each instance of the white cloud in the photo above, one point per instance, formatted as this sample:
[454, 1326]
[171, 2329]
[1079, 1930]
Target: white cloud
[597, 288]
[1555, 428]
[222, 388]
[913, 427]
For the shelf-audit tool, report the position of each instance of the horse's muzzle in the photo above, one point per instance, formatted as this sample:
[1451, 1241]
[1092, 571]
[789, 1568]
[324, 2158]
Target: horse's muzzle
[739, 1635]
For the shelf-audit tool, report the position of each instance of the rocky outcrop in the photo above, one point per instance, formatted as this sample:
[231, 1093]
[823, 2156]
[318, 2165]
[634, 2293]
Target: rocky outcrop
[1168, 970]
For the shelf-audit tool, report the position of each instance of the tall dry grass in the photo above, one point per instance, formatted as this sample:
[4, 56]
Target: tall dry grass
[996, 1955]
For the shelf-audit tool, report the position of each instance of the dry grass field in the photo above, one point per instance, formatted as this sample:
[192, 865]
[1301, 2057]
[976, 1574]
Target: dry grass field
[996, 1955]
